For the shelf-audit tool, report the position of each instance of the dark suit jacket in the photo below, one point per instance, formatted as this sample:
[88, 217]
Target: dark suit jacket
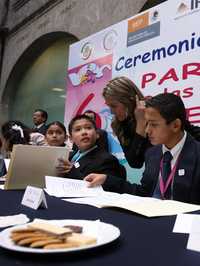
[97, 161]
[41, 130]
[185, 188]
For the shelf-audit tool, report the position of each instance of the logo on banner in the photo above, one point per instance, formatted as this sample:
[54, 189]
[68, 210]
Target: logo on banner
[154, 16]
[187, 7]
[86, 50]
[88, 73]
[110, 40]
[140, 29]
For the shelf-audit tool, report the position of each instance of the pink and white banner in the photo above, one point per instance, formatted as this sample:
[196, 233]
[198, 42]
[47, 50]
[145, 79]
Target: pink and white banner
[158, 49]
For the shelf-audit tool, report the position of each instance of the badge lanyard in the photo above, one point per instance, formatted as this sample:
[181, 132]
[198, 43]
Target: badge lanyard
[164, 187]
[76, 158]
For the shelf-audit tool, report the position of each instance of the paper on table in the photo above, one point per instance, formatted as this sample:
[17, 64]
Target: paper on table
[66, 187]
[102, 199]
[194, 237]
[13, 220]
[149, 207]
[183, 223]
[106, 199]
[163, 208]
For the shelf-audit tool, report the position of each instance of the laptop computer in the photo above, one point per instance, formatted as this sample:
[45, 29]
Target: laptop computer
[30, 164]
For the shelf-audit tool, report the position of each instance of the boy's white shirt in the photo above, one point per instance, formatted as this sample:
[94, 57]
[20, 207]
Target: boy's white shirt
[176, 150]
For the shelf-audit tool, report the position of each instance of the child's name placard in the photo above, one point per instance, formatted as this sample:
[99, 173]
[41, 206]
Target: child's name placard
[34, 198]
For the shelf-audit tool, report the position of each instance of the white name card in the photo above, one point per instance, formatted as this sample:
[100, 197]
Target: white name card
[34, 198]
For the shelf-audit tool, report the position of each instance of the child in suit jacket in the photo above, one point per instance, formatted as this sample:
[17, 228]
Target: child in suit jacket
[90, 158]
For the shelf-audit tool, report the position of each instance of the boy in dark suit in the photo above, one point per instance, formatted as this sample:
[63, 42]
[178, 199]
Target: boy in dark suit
[172, 166]
[90, 158]
[39, 119]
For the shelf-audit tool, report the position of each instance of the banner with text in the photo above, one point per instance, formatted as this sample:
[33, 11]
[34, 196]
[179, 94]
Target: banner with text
[158, 49]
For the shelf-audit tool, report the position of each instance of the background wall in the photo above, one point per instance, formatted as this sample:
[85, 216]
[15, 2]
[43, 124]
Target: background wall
[29, 22]
[28, 28]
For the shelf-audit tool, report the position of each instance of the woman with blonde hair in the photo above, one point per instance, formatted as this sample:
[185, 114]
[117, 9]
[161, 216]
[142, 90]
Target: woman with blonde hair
[127, 104]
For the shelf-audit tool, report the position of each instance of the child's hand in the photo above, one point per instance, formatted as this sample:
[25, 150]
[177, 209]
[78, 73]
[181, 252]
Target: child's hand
[64, 166]
[95, 179]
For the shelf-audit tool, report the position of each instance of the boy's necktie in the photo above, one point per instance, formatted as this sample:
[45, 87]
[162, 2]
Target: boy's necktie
[166, 170]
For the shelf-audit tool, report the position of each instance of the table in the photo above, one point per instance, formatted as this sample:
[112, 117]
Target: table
[143, 241]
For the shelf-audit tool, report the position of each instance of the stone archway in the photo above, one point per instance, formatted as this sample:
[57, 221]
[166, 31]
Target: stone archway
[38, 79]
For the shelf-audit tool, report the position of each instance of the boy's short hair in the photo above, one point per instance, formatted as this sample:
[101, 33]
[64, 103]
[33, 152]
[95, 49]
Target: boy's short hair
[43, 113]
[80, 117]
[170, 107]
[90, 112]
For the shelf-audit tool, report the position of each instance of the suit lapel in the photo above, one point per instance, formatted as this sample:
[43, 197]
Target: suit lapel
[152, 168]
[85, 161]
[184, 173]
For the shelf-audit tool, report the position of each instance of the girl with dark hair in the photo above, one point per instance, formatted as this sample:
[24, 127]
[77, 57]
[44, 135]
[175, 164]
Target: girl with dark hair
[56, 134]
[15, 132]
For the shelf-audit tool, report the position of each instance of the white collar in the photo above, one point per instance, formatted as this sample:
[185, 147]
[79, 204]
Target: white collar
[175, 151]
[40, 125]
[87, 151]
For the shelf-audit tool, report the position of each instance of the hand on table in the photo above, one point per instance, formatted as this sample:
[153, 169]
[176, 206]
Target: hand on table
[95, 179]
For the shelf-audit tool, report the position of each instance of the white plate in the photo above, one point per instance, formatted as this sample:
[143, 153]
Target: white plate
[105, 233]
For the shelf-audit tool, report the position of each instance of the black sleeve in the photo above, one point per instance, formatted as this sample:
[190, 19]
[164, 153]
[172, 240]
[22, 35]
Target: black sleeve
[135, 151]
[119, 185]
[111, 166]
[144, 189]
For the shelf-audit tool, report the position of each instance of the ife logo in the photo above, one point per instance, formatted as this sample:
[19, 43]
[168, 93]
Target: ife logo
[187, 6]
[195, 4]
